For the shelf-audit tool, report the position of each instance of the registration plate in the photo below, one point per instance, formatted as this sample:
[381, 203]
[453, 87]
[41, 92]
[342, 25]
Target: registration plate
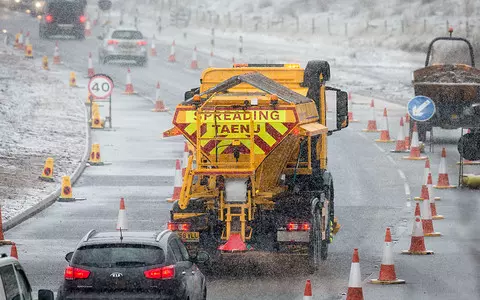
[189, 236]
[65, 26]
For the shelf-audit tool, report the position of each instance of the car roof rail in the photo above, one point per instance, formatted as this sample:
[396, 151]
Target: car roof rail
[89, 235]
[161, 234]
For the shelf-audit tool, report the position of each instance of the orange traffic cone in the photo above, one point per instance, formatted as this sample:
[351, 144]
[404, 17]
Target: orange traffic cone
[387, 268]
[186, 154]
[122, 216]
[88, 28]
[372, 123]
[415, 146]
[56, 55]
[194, 63]
[91, 71]
[400, 145]
[66, 191]
[2, 237]
[13, 251]
[407, 131]
[355, 291]
[171, 58]
[47, 173]
[433, 206]
[443, 182]
[177, 187]
[21, 40]
[385, 131]
[427, 221]
[129, 86]
[351, 119]
[307, 294]
[210, 59]
[159, 105]
[417, 243]
[153, 49]
[95, 158]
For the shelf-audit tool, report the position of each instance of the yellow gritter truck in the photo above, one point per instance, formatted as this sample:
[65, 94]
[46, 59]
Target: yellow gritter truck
[257, 179]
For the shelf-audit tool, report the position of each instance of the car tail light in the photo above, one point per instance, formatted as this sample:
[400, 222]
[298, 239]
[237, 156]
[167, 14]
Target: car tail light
[112, 42]
[298, 226]
[163, 273]
[49, 18]
[72, 273]
[142, 43]
[173, 226]
[83, 19]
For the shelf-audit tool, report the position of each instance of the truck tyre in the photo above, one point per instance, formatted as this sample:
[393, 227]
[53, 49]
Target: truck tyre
[318, 249]
[313, 70]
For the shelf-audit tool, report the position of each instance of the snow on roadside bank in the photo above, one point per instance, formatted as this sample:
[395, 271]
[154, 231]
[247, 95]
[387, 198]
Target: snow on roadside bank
[40, 117]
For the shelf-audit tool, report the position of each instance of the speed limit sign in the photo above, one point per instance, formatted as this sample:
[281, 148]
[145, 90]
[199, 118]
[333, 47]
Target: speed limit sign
[100, 86]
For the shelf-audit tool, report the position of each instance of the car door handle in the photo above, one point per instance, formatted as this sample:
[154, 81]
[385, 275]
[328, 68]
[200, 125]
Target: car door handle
[183, 273]
[193, 272]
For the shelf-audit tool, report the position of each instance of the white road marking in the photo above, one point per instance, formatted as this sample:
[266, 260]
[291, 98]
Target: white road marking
[363, 136]
[402, 175]
[391, 160]
[380, 148]
[407, 192]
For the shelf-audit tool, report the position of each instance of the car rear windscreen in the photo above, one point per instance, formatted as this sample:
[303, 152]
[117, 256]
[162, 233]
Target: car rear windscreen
[118, 255]
[127, 35]
[65, 8]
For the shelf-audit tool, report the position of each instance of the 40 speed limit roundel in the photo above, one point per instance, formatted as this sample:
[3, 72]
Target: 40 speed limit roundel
[100, 86]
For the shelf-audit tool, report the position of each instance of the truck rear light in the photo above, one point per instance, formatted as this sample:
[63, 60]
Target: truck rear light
[163, 273]
[305, 226]
[49, 18]
[174, 226]
[83, 19]
[112, 42]
[72, 273]
[142, 43]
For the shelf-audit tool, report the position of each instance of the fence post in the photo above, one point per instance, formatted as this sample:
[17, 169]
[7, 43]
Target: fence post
[346, 29]
[448, 25]
[240, 45]
[424, 25]
[467, 29]
[403, 26]
[385, 25]
[367, 24]
[240, 21]
[328, 26]
[212, 39]
[229, 19]
[281, 22]
[313, 25]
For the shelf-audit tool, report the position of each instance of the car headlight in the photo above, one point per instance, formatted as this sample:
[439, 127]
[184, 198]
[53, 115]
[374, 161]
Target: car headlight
[17, 1]
[38, 4]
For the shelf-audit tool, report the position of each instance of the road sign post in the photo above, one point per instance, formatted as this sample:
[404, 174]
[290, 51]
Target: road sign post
[100, 87]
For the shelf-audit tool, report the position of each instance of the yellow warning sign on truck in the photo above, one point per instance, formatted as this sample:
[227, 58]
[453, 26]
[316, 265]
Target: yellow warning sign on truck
[218, 129]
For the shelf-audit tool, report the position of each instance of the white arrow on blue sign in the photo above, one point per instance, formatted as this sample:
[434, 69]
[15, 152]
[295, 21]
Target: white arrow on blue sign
[421, 108]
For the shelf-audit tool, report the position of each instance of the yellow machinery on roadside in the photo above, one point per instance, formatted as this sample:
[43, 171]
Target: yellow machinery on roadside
[258, 179]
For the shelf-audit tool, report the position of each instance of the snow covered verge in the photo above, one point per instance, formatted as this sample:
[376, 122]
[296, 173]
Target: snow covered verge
[40, 117]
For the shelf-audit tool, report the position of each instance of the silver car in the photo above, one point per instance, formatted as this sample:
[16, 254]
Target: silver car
[123, 44]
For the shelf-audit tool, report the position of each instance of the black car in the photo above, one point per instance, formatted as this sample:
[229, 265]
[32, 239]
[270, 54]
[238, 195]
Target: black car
[132, 265]
[65, 17]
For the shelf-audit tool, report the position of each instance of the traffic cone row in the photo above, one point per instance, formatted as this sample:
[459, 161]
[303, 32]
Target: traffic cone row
[186, 154]
[443, 181]
[47, 173]
[351, 119]
[401, 143]
[417, 243]
[88, 28]
[153, 49]
[45, 63]
[73, 80]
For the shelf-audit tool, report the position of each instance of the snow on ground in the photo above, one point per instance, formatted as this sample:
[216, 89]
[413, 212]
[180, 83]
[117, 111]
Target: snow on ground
[40, 117]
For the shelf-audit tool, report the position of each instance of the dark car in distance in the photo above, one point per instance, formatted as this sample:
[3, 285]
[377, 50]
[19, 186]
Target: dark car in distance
[63, 17]
[132, 265]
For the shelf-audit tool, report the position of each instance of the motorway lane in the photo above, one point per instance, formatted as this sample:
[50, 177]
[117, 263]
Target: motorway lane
[370, 196]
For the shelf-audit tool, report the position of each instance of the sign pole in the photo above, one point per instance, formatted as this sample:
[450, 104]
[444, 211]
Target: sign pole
[110, 111]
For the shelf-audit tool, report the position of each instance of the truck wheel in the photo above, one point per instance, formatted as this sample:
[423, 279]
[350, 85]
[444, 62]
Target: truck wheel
[318, 249]
[313, 70]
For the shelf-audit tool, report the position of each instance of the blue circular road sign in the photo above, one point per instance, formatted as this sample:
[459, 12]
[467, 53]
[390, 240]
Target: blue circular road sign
[421, 108]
